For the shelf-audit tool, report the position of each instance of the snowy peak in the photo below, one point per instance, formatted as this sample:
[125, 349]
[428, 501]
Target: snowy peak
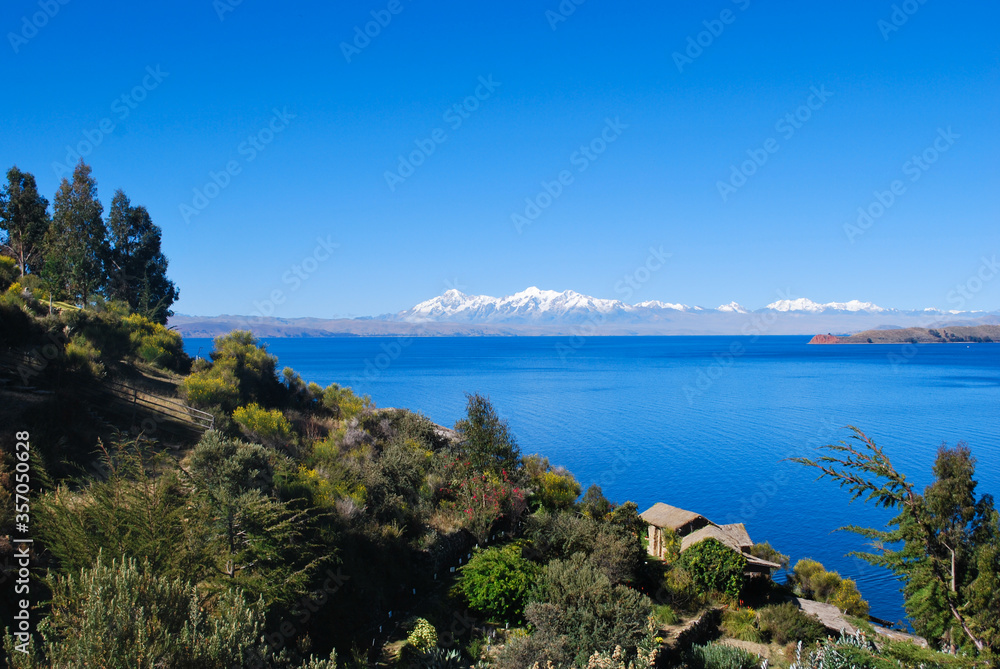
[656, 304]
[733, 307]
[532, 304]
[805, 304]
[535, 305]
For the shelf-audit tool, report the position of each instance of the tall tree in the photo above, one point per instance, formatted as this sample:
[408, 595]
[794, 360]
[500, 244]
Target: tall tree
[76, 242]
[24, 216]
[486, 438]
[944, 545]
[136, 269]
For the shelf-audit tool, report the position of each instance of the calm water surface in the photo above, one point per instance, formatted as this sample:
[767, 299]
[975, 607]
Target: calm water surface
[703, 423]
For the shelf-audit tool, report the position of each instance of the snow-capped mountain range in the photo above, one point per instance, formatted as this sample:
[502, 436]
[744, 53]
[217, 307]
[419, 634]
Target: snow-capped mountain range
[568, 313]
[534, 305]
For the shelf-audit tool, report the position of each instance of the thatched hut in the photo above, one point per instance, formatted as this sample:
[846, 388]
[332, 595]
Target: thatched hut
[662, 517]
[692, 528]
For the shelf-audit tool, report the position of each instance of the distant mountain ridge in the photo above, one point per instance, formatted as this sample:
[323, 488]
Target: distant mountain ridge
[534, 305]
[537, 312]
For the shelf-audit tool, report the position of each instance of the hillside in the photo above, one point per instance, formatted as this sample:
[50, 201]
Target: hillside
[945, 335]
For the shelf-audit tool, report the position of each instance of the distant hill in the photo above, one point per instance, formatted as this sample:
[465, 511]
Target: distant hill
[943, 335]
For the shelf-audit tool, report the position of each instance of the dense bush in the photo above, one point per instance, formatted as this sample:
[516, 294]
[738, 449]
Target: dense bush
[343, 403]
[615, 550]
[785, 623]
[82, 355]
[551, 487]
[423, 636]
[741, 623]
[268, 426]
[715, 567]
[720, 656]
[766, 551]
[681, 591]
[578, 602]
[119, 614]
[487, 442]
[594, 504]
[242, 372]
[155, 344]
[8, 272]
[496, 582]
[813, 581]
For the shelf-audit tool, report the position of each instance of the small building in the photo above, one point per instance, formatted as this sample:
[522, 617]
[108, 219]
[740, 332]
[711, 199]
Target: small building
[693, 528]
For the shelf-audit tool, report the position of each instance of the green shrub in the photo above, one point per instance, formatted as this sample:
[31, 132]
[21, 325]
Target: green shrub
[118, 614]
[496, 582]
[8, 272]
[786, 623]
[912, 655]
[665, 615]
[155, 344]
[715, 567]
[423, 636]
[269, 426]
[242, 372]
[741, 624]
[720, 656]
[552, 487]
[681, 590]
[83, 355]
[848, 599]
[206, 390]
[343, 403]
[766, 551]
[574, 599]
[813, 581]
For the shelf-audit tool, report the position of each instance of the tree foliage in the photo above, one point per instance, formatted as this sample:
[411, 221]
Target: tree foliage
[496, 582]
[24, 217]
[135, 267]
[715, 567]
[486, 439]
[76, 241]
[943, 544]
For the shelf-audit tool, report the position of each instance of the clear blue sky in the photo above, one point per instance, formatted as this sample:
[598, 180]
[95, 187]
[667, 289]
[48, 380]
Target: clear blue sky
[656, 184]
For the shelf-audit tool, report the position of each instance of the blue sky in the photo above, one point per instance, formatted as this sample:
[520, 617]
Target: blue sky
[310, 129]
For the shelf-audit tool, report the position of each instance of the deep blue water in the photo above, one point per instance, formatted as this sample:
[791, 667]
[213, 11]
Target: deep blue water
[703, 423]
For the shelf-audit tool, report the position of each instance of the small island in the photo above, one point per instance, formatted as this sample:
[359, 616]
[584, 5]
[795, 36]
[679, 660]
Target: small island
[978, 334]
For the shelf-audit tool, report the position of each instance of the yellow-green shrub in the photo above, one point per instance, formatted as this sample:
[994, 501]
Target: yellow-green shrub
[848, 599]
[343, 403]
[83, 355]
[8, 272]
[206, 390]
[154, 343]
[265, 425]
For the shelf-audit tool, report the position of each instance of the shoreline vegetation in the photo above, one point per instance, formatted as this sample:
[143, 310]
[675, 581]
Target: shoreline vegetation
[224, 512]
[978, 334]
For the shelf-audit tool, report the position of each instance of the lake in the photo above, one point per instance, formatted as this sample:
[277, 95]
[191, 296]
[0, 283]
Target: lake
[704, 423]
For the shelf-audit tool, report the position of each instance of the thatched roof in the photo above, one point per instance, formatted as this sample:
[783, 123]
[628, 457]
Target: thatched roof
[754, 560]
[664, 515]
[734, 536]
